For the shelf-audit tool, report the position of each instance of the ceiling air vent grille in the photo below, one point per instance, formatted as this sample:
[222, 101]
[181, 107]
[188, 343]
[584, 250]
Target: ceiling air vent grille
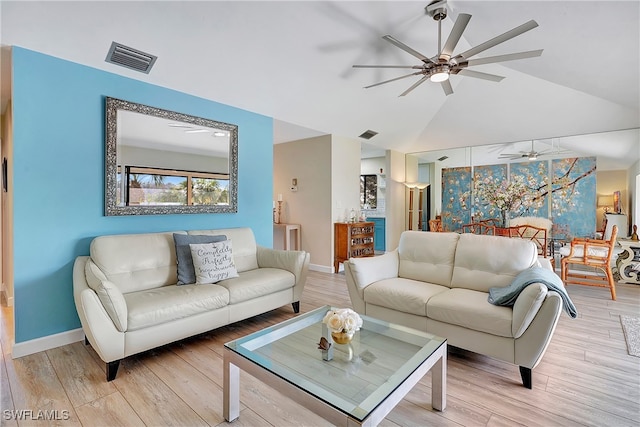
[368, 134]
[443, 158]
[130, 58]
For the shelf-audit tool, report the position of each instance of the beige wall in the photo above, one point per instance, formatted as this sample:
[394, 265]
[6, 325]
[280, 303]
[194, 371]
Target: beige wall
[395, 209]
[309, 161]
[345, 180]
[606, 183]
[6, 213]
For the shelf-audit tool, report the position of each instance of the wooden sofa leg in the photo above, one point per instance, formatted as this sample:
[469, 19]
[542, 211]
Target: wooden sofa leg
[86, 340]
[112, 369]
[526, 374]
[296, 306]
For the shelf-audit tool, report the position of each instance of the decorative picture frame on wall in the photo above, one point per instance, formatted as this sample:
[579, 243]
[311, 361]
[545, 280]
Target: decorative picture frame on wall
[617, 202]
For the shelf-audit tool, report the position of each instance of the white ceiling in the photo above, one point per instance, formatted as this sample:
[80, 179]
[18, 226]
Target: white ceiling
[145, 131]
[292, 61]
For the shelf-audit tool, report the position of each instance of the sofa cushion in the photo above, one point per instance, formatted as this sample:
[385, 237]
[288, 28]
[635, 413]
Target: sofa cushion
[186, 273]
[213, 262]
[136, 262]
[244, 246]
[255, 283]
[427, 256]
[470, 309]
[482, 262]
[406, 295]
[168, 303]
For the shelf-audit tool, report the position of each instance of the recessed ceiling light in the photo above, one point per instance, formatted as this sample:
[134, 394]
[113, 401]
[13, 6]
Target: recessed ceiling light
[219, 133]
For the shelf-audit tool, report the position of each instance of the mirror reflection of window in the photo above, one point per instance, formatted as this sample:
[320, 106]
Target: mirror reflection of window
[368, 191]
[210, 191]
[152, 187]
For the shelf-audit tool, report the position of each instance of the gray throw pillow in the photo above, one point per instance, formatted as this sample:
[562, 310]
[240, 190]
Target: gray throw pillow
[186, 272]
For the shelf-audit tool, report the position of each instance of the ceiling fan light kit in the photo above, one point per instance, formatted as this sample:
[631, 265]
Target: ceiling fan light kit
[439, 68]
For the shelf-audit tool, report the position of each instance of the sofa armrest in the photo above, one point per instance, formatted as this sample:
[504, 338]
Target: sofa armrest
[97, 325]
[296, 262]
[361, 272]
[109, 295]
[526, 307]
[531, 346]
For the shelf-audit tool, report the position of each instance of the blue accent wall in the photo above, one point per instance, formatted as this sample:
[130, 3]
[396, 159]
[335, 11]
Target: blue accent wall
[58, 173]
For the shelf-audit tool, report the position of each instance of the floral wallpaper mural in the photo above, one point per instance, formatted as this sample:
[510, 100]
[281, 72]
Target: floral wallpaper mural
[573, 198]
[537, 181]
[561, 189]
[483, 208]
[456, 198]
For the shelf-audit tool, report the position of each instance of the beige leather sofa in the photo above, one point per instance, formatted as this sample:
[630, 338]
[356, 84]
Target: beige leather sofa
[439, 283]
[128, 300]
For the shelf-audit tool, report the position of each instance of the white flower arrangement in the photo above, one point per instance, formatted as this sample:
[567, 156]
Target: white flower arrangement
[505, 196]
[342, 320]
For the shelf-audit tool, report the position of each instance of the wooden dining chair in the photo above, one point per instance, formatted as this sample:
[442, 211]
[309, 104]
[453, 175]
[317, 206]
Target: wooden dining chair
[593, 253]
[435, 225]
[537, 235]
[478, 228]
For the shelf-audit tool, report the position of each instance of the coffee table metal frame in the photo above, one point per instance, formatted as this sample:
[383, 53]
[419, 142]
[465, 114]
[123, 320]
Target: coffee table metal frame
[239, 354]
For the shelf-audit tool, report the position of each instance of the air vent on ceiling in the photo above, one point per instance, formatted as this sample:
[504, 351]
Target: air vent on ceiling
[128, 57]
[368, 134]
[443, 158]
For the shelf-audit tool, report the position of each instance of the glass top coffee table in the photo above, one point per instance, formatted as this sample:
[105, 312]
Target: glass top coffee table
[360, 384]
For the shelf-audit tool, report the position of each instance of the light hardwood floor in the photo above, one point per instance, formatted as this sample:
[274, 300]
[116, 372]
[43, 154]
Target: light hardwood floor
[586, 378]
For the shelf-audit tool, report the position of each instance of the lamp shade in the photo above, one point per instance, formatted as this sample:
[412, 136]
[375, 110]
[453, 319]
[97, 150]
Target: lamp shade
[605, 201]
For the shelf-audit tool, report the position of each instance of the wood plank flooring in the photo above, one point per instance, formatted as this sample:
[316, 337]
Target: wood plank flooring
[586, 378]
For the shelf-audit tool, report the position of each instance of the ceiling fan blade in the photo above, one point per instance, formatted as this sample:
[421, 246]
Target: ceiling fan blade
[507, 57]
[456, 33]
[479, 75]
[406, 48]
[415, 67]
[499, 39]
[415, 85]
[446, 86]
[393, 80]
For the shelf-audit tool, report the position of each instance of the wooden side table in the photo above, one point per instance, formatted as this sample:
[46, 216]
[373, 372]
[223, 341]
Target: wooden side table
[287, 229]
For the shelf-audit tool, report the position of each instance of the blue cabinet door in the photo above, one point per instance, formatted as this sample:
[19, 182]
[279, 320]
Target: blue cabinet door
[379, 243]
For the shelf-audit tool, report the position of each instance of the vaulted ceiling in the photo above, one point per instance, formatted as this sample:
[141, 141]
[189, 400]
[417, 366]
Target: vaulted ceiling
[293, 61]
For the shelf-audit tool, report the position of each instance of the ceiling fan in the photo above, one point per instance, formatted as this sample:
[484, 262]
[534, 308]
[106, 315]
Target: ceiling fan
[441, 66]
[530, 155]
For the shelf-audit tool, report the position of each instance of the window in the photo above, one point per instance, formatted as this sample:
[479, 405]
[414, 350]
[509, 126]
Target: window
[368, 191]
[151, 186]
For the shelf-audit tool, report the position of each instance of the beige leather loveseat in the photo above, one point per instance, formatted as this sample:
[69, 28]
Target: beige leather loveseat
[128, 300]
[439, 283]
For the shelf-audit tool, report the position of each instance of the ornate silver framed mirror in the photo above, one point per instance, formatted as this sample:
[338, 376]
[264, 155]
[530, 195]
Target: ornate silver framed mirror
[163, 162]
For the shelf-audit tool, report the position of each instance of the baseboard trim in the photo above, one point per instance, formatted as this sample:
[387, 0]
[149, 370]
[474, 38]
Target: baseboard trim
[321, 268]
[46, 343]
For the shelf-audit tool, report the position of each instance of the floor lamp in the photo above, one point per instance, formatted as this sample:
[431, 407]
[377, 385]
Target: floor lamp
[420, 186]
[410, 186]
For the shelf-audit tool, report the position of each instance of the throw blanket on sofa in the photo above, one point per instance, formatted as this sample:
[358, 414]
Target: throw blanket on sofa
[508, 295]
